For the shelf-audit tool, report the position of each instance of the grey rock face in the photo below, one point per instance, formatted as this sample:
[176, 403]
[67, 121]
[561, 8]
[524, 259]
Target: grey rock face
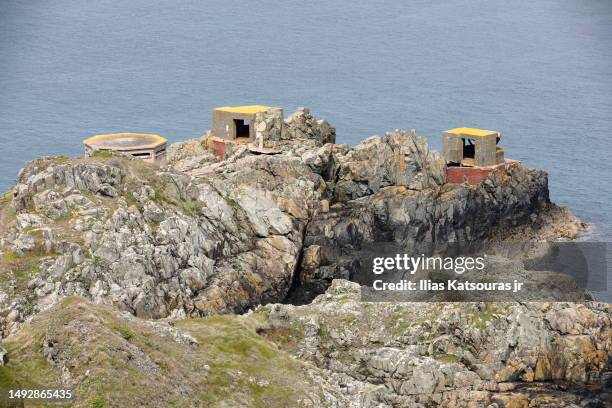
[396, 159]
[452, 354]
[189, 155]
[44, 176]
[302, 125]
[269, 127]
[411, 214]
[206, 236]
[167, 243]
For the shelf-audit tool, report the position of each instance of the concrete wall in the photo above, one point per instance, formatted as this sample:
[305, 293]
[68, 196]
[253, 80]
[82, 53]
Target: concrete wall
[224, 127]
[221, 148]
[156, 155]
[452, 147]
[485, 150]
[499, 155]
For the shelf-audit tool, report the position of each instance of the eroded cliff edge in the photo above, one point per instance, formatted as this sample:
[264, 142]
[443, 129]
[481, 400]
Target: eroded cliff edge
[206, 236]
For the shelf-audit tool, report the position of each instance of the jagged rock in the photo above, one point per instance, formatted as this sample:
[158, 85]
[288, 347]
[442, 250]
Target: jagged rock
[400, 214]
[268, 127]
[302, 125]
[396, 159]
[189, 155]
[26, 220]
[452, 354]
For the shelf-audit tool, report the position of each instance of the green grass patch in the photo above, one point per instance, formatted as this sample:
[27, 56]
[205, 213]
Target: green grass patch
[98, 402]
[323, 331]
[5, 198]
[21, 269]
[126, 333]
[398, 323]
[8, 214]
[401, 327]
[246, 362]
[27, 365]
[7, 378]
[191, 207]
[71, 300]
[287, 337]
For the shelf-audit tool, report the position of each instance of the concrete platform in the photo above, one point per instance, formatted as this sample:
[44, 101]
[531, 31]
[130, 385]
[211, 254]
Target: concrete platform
[145, 146]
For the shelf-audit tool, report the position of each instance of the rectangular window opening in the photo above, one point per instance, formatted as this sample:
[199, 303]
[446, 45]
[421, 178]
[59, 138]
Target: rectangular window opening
[242, 129]
[142, 155]
[469, 153]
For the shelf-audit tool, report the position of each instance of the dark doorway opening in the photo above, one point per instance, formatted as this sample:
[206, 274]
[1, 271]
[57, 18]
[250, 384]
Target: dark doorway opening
[242, 129]
[469, 152]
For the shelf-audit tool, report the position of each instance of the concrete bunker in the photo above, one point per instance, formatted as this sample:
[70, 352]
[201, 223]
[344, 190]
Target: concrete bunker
[236, 122]
[148, 147]
[256, 126]
[471, 154]
[470, 147]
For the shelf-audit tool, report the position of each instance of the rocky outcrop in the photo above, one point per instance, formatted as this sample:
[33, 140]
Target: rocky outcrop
[189, 155]
[302, 125]
[450, 354]
[337, 352]
[113, 359]
[392, 189]
[207, 236]
[397, 159]
[165, 242]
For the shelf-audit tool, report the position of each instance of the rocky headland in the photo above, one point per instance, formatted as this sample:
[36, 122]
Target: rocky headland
[138, 262]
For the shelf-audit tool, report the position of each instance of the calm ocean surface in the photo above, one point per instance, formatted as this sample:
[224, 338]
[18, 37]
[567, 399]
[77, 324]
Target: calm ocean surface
[538, 71]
